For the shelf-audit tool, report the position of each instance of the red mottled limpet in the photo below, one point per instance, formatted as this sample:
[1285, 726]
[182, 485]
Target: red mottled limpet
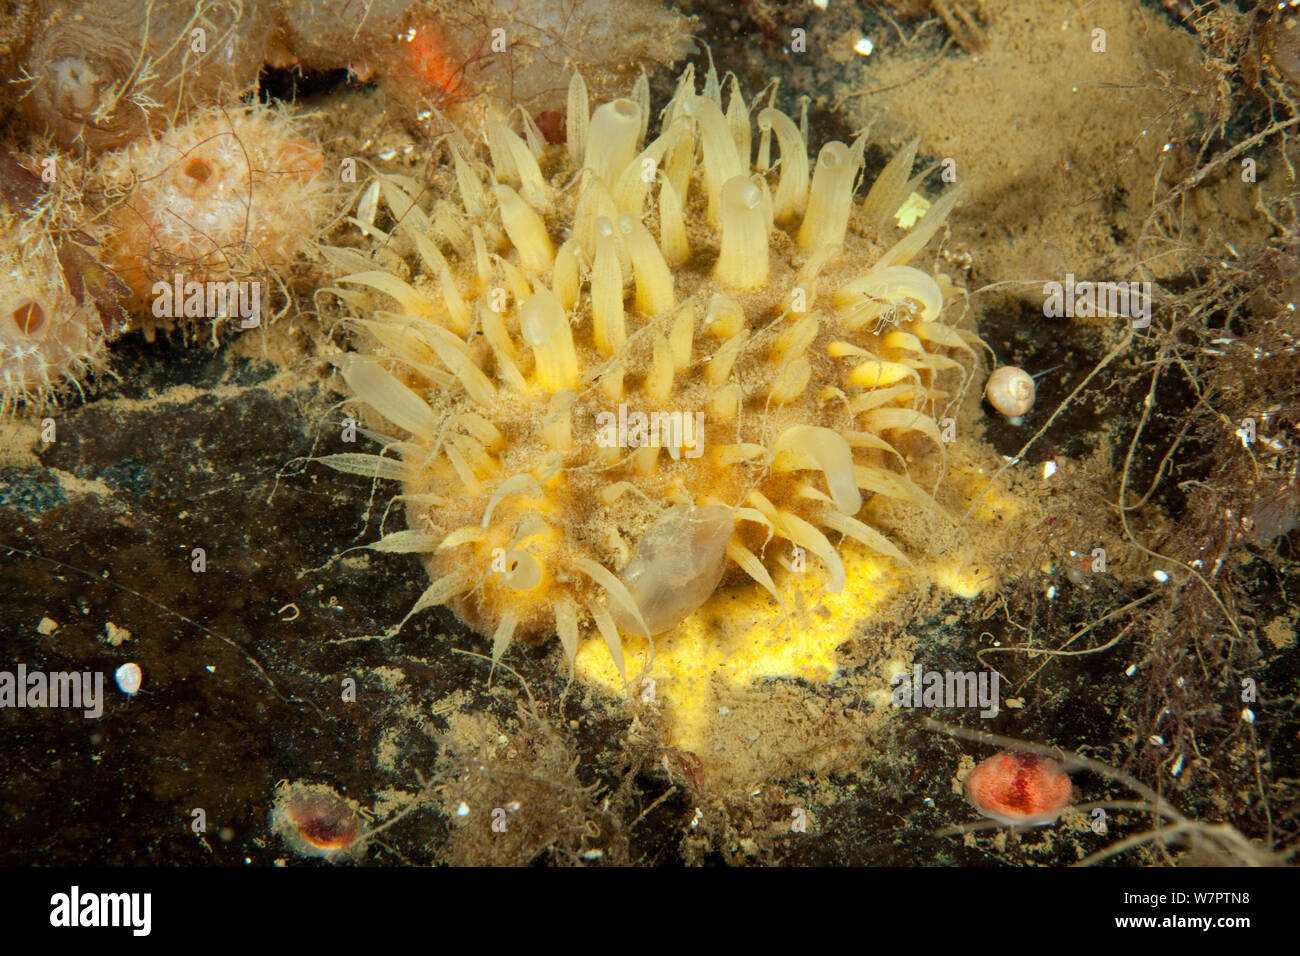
[1019, 789]
[316, 822]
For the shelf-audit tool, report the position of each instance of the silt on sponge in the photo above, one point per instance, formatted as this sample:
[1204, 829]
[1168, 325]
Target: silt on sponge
[612, 375]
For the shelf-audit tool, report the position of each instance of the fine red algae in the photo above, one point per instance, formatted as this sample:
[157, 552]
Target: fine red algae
[1019, 789]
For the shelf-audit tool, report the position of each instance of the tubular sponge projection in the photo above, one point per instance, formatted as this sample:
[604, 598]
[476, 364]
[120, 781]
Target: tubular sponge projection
[614, 373]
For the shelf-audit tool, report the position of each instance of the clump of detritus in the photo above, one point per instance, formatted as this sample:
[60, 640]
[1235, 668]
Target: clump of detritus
[515, 791]
[965, 20]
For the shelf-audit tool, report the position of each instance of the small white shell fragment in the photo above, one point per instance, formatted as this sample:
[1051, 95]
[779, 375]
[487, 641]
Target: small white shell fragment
[1010, 390]
[1160, 576]
[1049, 469]
[1247, 715]
[115, 636]
[128, 678]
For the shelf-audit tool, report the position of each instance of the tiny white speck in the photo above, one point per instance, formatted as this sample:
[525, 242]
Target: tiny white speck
[1049, 469]
[821, 4]
[1157, 739]
[1132, 669]
[1178, 766]
[1160, 576]
[864, 46]
[210, 669]
[723, 711]
[1248, 715]
[128, 678]
[1051, 593]
[462, 809]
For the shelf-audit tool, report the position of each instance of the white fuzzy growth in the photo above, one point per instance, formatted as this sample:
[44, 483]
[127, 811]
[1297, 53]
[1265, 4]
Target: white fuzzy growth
[47, 341]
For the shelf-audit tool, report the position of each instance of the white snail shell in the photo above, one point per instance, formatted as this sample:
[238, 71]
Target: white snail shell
[1010, 390]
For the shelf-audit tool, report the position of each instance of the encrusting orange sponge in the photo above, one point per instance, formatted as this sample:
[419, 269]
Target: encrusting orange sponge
[231, 195]
[58, 303]
[610, 373]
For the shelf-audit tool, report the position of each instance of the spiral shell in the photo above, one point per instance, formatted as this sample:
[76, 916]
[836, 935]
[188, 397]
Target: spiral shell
[1010, 390]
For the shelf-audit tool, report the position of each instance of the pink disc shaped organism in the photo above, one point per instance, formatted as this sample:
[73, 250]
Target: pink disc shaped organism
[1019, 789]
